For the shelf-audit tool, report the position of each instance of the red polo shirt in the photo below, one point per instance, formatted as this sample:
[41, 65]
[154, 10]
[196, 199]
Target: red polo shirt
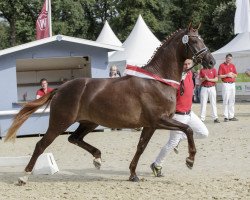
[184, 102]
[41, 92]
[210, 73]
[225, 69]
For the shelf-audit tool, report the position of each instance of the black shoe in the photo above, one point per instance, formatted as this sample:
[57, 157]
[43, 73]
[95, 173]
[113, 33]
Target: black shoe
[156, 170]
[216, 121]
[226, 120]
[233, 119]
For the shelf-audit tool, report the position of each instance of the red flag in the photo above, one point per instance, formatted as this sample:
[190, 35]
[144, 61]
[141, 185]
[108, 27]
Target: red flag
[43, 22]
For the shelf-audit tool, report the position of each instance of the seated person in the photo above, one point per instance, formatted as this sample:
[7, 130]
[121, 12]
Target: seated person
[44, 90]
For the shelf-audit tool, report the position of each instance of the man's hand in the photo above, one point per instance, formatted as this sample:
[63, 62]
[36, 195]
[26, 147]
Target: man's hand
[231, 75]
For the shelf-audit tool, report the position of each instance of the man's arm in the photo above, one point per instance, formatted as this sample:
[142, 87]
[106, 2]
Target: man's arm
[215, 79]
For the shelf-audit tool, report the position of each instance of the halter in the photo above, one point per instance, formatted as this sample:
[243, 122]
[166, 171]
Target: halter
[196, 55]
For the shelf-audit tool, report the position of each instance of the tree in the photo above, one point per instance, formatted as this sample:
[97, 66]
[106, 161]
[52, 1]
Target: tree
[96, 13]
[10, 11]
[20, 15]
[223, 21]
[4, 32]
[68, 18]
[85, 18]
[217, 15]
[128, 12]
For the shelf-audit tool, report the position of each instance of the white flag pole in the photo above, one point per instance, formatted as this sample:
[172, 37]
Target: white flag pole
[50, 21]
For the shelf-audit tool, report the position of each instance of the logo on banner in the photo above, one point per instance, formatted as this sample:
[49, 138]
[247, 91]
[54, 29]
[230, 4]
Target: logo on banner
[42, 20]
[238, 87]
[247, 88]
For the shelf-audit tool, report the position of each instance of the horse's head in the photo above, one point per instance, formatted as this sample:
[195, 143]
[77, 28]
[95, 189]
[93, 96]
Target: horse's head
[195, 48]
[167, 62]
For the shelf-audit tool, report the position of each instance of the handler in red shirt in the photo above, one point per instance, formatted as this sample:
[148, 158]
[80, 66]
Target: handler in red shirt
[183, 114]
[227, 72]
[208, 78]
[44, 90]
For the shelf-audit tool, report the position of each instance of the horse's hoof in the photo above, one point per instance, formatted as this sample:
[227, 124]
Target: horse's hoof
[97, 163]
[189, 163]
[22, 180]
[134, 178]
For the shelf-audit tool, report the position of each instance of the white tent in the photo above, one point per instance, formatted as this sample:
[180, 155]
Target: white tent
[107, 36]
[138, 47]
[239, 47]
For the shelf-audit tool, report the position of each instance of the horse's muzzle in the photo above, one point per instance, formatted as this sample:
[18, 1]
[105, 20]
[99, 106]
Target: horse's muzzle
[208, 61]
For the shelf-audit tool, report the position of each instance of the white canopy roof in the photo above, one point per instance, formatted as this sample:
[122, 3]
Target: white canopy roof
[139, 46]
[58, 38]
[107, 36]
[239, 45]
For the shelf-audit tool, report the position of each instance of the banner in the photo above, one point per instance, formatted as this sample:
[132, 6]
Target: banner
[43, 22]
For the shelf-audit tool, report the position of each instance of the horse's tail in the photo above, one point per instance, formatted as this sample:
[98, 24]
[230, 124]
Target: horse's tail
[25, 112]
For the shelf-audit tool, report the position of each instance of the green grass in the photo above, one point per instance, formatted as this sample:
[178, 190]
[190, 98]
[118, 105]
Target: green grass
[242, 77]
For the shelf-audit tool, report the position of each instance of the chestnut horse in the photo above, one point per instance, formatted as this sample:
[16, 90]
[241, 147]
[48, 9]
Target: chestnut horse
[126, 102]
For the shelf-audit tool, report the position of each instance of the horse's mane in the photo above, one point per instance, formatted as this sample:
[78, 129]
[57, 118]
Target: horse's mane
[164, 43]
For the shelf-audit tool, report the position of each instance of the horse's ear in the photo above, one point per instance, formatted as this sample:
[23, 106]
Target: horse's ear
[189, 26]
[199, 26]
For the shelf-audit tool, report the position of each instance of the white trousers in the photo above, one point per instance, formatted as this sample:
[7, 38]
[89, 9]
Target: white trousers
[228, 95]
[199, 129]
[208, 93]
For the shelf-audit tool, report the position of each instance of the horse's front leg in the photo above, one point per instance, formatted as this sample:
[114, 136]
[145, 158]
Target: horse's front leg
[171, 124]
[142, 144]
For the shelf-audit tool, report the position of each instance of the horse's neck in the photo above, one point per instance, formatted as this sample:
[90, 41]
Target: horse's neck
[167, 66]
[167, 61]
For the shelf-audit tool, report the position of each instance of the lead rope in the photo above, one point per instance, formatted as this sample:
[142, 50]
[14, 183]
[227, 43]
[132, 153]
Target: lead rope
[182, 87]
[183, 77]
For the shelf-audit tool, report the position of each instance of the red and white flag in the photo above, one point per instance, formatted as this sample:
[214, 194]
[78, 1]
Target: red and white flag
[43, 21]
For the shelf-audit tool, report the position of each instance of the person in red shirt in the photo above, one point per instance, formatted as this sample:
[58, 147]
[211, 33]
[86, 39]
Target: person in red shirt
[227, 72]
[44, 90]
[208, 79]
[183, 114]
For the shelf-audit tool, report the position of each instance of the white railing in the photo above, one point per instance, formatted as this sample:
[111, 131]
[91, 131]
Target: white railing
[14, 112]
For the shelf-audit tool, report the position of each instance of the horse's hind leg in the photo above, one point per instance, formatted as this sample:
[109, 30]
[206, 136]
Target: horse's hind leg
[41, 145]
[143, 142]
[77, 139]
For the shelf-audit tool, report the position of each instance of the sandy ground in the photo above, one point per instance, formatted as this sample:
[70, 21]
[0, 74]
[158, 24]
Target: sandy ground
[221, 171]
